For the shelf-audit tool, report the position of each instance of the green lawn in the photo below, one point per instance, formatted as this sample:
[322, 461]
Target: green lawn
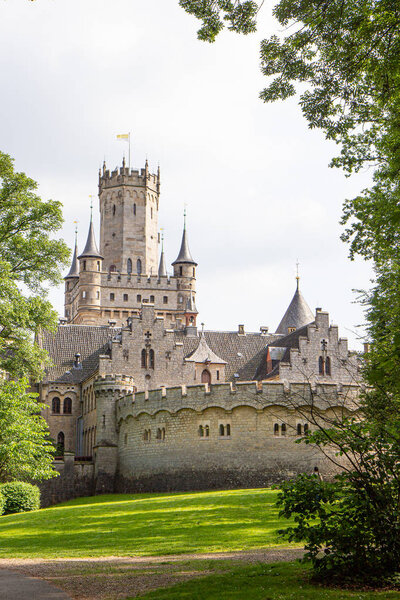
[145, 524]
[283, 581]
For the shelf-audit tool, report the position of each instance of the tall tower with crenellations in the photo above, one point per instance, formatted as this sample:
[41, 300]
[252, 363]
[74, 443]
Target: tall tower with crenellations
[129, 202]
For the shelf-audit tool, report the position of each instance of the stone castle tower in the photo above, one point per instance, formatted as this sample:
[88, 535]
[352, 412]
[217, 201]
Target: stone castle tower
[112, 284]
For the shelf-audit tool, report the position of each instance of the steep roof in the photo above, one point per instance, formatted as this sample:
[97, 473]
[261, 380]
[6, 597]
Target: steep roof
[203, 353]
[279, 352]
[90, 250]
[184, 255]
[162, 269]
[88, 340]
[297, 314]
[74, 270]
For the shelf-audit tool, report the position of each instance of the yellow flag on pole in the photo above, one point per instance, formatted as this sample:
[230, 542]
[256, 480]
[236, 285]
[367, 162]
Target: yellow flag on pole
[123, 136]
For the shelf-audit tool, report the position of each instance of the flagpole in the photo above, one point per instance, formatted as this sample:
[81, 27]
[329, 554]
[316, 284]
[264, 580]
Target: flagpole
[129, 155]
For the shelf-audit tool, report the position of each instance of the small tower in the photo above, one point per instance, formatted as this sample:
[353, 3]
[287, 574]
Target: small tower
[71, 281]
[129, 202]
[191, 313]
[297, 315]
[90, 266]
[162, 269]
[185, 271]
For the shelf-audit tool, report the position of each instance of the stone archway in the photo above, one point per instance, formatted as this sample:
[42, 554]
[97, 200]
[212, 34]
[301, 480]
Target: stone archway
[206, 376]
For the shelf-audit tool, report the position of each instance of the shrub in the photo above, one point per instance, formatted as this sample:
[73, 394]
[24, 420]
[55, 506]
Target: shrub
[2, 502]
[20, 497]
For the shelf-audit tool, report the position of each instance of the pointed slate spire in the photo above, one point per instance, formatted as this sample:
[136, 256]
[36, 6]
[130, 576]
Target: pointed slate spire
[184, 255]
[297, 315]
[162, 269]
[90, 250]
[74, 270]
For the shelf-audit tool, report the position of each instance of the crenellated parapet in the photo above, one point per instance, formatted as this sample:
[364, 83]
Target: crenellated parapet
[229, 396]
[130, 177]
[113, 386]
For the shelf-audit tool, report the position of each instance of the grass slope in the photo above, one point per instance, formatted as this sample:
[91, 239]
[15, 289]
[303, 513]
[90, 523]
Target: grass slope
[283, 581]
[145, 524]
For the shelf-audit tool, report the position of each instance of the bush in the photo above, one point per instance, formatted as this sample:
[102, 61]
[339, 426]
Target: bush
[20, 497]
[2, 502]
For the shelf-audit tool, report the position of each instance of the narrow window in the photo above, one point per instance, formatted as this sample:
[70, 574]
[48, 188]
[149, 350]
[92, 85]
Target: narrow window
[139, 266]
[134, 209]
[283, 429]
[180, 298]
[163, 433]
[321, 366]
[84, 265]
[151, 356]
[55, 405]
[125, 439]
[144, 359]
[306, 428]
[328, 366]
[83, 294]
[158, 434]
[97, 295]
[67, 408]
[125, 297]
[129, 266]
[276, 429]
[152, 299]
[217, 375]
[221, 430]
[299, 429]
[112, 296]
[194, 272]
[207, 430]
[228, 429]
[180, 270]
[201, 431]
[151, 213]
[165, 299]
[98, 265]
[60, 443]
[114, 209]
[138, 298]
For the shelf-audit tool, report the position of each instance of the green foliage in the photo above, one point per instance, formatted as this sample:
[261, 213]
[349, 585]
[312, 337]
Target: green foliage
[25, 450]
[29, 260]
[20, 497]
[145, 525]
[2, 502]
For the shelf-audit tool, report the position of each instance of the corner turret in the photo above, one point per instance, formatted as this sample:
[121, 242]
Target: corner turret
[90, 267]
[71, 281]
[185, 272]
[162, 269]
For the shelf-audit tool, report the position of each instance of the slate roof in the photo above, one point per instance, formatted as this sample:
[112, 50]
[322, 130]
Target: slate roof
[203, 353]
[162, 269]
[297, 314]
[242, 353]
[90, 250]
[279, 351]
[74, 270]
[62, 346]
[184, 255]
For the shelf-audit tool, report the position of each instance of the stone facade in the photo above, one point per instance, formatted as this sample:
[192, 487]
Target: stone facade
[152, 404]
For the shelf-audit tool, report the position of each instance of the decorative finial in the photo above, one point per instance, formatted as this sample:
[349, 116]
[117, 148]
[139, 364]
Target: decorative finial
[297, 273]
[162, 238]
[123, 161]
[184, 215]
[76, 230]
[202, 327]
[104, 166]
[91, 206]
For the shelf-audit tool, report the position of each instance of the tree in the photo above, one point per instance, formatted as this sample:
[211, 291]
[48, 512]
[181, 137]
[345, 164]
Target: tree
[343, 58]
[26, 452]
[29, 260]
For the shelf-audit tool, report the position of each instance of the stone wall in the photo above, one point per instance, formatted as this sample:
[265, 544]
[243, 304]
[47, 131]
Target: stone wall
[220, 436]
[75, 480]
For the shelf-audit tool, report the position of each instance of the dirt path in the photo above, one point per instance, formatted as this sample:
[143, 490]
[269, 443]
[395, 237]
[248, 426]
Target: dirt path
[117, 578]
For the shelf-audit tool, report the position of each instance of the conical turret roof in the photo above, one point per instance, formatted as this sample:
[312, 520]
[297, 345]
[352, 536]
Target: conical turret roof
[74, 270]
[162, 269]
[184, 255]
[297, 315]
[204, 354]
[90, 250]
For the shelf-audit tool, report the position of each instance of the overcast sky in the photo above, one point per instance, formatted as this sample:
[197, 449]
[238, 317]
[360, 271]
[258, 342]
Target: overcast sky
[256, 181]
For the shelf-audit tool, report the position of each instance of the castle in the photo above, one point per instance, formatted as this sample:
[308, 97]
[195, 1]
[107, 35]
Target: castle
[151, 402]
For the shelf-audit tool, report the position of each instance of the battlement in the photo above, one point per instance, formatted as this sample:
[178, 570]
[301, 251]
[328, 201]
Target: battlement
[138, 282]
[228, 396]
[128, 177]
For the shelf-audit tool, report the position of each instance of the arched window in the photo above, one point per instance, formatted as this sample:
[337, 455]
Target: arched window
[152, 299]
[84, 265]
[98, 265]
[228, 429]
[321, 366]
[327, 366]
[221, 430]
[112, 269]
[129, 266]
[201, 431]
[139, 266]
[276, 429]
[144, 359]
[134, 209]
[152, 360]
[67, 408]
[163, 433]
[180, 270]
[207, 430]
[114, 209]
[306, 428]
[60, 443]
[158, 434]
[180, 298]
[206, 376]
[299, 429]
[55, 405]
[283, 429]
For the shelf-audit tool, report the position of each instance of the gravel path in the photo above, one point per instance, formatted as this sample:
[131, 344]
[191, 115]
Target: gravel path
[116, 577]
